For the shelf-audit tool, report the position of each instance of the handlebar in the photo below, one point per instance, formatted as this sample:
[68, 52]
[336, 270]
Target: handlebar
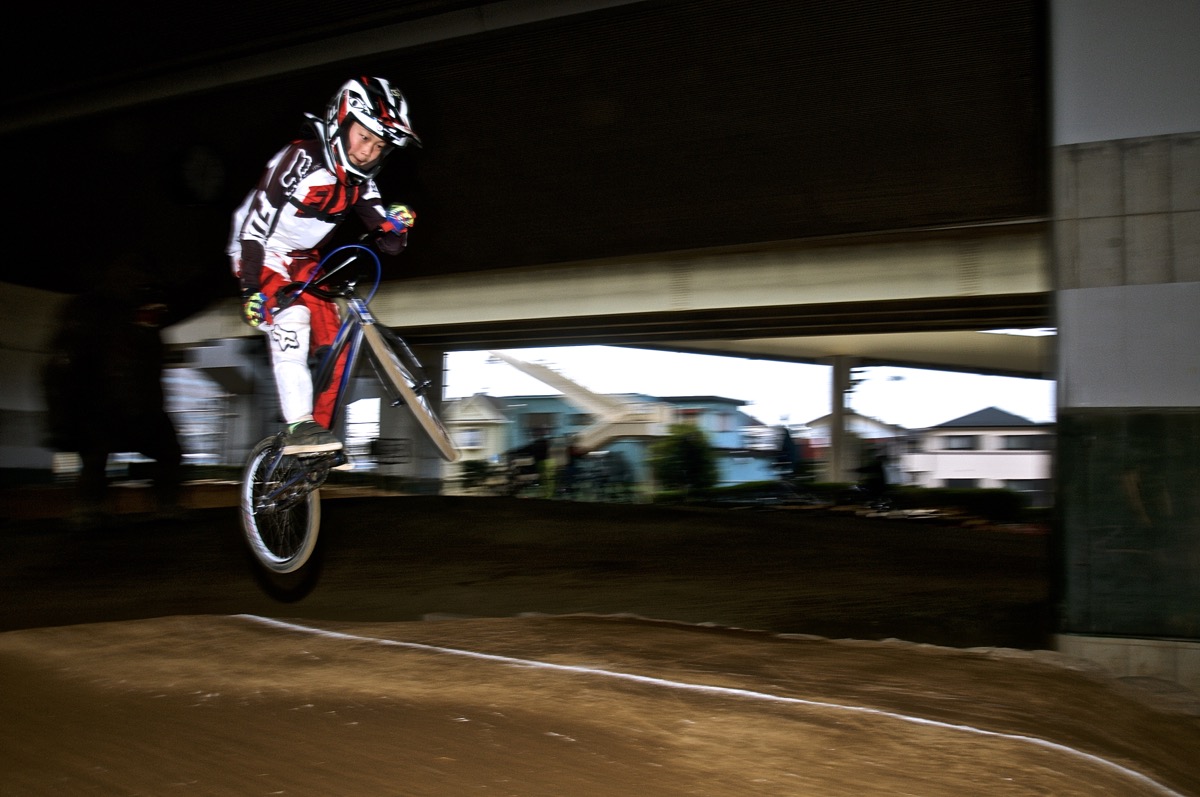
[319, 282]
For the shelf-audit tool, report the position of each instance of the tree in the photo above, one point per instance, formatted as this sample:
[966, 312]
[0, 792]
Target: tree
[684, 459]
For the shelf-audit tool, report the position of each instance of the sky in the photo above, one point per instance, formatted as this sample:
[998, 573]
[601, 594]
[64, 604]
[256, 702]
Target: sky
[775, 392]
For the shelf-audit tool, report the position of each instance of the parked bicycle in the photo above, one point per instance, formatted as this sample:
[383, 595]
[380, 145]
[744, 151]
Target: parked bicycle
[280, 493]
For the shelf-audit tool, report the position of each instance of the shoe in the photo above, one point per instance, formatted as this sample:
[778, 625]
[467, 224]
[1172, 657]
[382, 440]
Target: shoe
[309, 437]
[339, 461]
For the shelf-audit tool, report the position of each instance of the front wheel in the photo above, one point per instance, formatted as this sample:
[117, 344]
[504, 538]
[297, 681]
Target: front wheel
[281, 515]
[395, 374]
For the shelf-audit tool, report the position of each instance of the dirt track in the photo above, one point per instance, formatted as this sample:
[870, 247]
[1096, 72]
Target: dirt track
[567, 659]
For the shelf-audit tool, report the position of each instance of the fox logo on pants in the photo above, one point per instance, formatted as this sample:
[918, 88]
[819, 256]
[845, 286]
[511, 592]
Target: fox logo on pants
[285, 338]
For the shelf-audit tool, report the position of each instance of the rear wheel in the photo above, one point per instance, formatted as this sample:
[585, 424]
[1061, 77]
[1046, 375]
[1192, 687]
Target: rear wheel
[281, 515]
[395, 373]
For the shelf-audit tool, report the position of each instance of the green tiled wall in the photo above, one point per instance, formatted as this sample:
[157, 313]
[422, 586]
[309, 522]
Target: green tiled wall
[1129, 521]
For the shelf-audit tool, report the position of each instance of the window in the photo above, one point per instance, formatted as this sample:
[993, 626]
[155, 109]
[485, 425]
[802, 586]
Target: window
[537, 425]
[1026, 442]
[362, 427]
[469, 438]
[960, 442]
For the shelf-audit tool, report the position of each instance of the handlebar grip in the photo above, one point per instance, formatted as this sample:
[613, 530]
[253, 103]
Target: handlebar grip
[371, 236]
[286, 296]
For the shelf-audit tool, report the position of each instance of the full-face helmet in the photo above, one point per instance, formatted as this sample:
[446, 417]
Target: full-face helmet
[377, 106]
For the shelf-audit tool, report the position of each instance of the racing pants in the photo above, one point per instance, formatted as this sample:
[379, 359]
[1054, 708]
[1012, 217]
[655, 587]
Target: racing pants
[306, 327]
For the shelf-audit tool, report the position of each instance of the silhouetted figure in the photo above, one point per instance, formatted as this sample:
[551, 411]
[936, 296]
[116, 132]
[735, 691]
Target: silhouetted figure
[787, 457]
[525, 466]
[873, 478]
[618, 477]
[572, 473]
[103, 385]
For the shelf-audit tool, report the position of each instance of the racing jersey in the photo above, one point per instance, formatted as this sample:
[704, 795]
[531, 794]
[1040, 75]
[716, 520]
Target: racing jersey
[294, 209]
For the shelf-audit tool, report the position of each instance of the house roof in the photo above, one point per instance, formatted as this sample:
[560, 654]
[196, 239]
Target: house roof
[631, 396]
[826, 420]
[746, 419]
[702, 400]
[484, 407]
[477, 408]
[992, 416]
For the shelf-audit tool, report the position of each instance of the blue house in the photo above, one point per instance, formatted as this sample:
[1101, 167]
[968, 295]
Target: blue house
[489, 427]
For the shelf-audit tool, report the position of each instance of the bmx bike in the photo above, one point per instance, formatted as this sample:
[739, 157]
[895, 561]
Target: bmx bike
[280, 501]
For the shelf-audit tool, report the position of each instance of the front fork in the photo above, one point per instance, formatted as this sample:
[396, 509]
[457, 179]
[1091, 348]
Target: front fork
[357, 308]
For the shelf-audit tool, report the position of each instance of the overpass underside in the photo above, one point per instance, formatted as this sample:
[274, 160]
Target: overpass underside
[927, 299]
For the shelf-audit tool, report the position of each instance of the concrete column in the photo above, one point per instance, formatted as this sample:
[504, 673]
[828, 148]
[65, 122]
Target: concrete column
[837, 469]
[1126, 259]
[1127, 262]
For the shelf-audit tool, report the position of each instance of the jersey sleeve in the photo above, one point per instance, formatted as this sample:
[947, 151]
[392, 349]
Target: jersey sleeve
[369, 208]
[258, 216]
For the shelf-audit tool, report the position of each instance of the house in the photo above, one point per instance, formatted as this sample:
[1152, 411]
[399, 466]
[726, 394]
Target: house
[988, 448]
[487, 427]
[870, 433]
[867, 429]
[735, 435]
[479, 425]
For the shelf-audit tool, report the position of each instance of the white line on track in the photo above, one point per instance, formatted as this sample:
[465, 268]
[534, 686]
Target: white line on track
[722, 690]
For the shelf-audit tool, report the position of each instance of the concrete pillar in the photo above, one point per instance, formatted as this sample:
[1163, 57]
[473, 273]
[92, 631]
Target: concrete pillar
[837, 469]
[1126, 259]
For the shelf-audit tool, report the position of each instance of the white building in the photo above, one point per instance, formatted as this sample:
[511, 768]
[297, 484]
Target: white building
[988, 448]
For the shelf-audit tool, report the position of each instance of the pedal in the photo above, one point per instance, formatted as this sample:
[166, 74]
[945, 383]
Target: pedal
[339, 461]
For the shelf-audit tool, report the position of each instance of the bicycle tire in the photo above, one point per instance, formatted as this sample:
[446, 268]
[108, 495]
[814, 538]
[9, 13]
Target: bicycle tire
[394, 373]
[282, 533]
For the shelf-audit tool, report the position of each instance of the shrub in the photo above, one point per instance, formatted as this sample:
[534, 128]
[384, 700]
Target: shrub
[475, 473]
[683, 460]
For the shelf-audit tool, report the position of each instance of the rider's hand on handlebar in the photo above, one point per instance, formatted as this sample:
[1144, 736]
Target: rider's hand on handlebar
[400, 218]
[255, 311]
[391, 236]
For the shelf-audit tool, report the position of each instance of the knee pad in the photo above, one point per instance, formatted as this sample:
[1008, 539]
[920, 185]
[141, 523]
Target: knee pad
[289, 335]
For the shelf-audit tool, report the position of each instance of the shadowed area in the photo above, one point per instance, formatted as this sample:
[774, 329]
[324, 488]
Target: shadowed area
[402, 558]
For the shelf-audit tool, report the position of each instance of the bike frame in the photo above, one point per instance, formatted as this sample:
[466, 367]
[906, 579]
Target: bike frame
[348, 342]
[280, 503]
[349, 339]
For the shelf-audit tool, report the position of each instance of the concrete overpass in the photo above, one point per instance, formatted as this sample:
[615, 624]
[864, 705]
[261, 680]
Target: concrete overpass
[930, 299]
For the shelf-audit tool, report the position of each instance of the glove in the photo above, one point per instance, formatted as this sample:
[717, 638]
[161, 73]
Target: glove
[399, 219]
[255, 311]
